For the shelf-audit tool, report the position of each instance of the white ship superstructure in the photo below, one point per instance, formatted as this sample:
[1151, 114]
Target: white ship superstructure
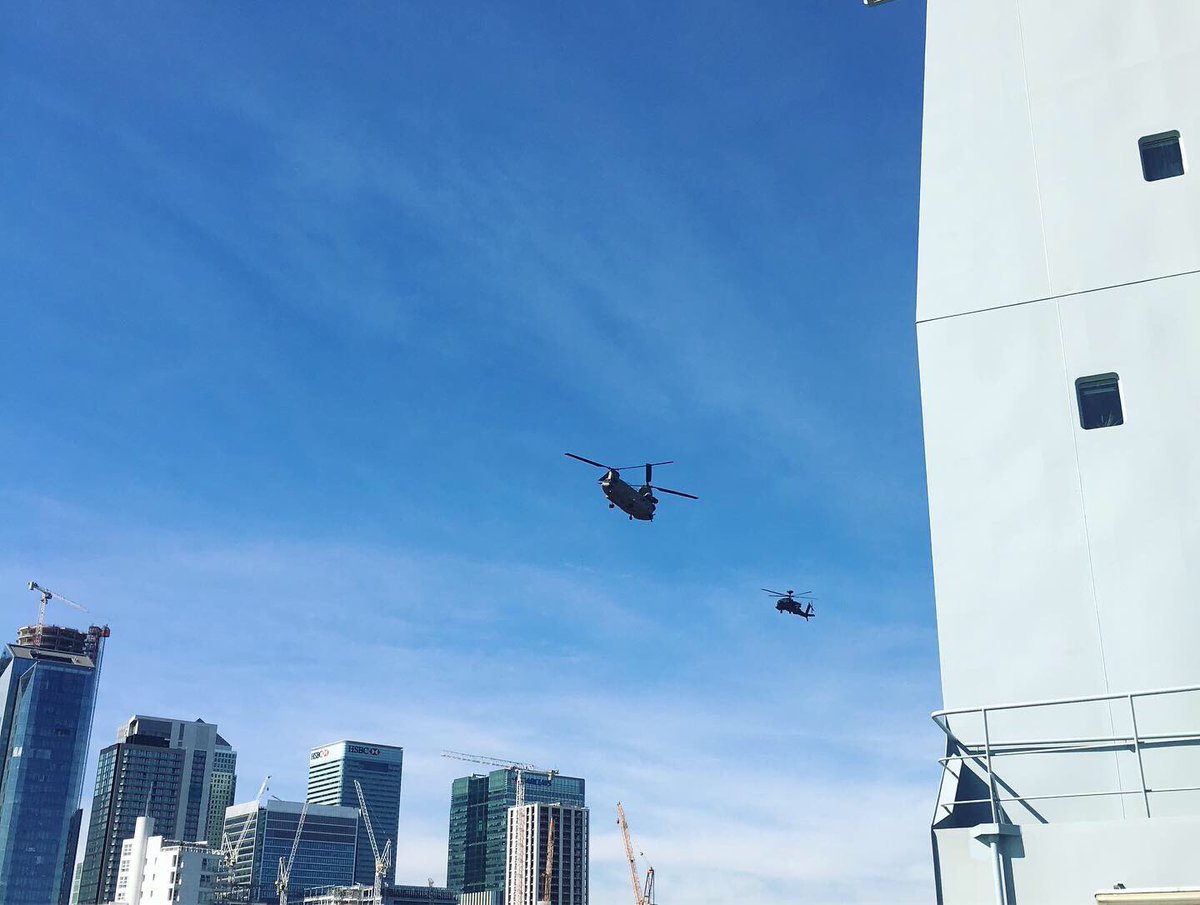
[1058, 310]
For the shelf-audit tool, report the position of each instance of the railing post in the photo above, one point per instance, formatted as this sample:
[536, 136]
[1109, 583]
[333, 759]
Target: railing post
[987, 754]
[1137, 748]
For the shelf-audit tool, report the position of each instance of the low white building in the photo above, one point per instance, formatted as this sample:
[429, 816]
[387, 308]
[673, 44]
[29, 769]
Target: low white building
[158, 870]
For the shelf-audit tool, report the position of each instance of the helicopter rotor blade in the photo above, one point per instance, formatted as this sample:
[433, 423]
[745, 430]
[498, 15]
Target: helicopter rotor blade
[774, 593]
[641, 464]
[675, 492]
[590, 462]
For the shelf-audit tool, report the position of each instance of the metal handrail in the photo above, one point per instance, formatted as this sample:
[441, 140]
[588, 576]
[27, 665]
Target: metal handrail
[1054, 702]
[1002, 798]
[1066, 745]
[982, 754]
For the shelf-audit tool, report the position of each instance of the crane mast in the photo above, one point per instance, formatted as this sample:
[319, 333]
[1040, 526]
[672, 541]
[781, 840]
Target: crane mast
[46, 596]
[633, 871]
[639, 898]
[549, 863]
[383, 859]
[230, 850]
[285, 867]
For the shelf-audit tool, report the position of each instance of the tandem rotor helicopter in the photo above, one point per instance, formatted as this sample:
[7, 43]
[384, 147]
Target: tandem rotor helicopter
[787, 603]
[637, 504]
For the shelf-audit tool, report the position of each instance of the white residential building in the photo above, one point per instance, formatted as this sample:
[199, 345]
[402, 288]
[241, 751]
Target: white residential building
[530, 830]
[156, 871]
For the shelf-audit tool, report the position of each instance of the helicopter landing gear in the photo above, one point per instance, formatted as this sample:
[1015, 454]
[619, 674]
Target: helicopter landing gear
[612, 505]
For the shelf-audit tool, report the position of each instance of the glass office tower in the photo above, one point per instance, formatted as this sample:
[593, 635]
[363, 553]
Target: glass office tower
[332, 770]
[48, 695]
[222, 789]
[166, 768]
[324, 854]
[479, 823]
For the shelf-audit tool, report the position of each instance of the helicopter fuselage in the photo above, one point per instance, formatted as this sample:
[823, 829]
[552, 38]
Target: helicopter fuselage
[636, 503]
[795, 607]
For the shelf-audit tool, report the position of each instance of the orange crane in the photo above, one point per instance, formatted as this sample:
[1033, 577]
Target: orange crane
[549, 864]
[638, 897]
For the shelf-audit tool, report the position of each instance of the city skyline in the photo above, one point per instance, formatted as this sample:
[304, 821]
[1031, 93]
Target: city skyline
[307, 307]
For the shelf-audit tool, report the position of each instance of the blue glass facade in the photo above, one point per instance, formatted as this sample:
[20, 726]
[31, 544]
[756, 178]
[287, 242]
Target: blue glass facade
[141, 775]
[332, 771]
[48, 697]
[479, 823]
[324, 856]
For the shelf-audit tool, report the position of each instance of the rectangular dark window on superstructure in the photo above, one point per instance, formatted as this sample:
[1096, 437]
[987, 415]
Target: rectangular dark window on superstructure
[1162, 156]
[1099, 401]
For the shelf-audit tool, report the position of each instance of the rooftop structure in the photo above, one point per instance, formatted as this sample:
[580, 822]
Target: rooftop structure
[392, 895]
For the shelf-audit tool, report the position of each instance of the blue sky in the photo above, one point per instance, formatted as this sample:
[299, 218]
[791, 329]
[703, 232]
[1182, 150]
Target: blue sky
[304, 304]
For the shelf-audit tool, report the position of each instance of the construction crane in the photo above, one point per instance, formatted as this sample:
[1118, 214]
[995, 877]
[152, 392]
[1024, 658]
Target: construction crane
[230, 849]
[47, 596]
[511, 765]
[285, 867]
[549, 863]
[638, 897]
[383, 859]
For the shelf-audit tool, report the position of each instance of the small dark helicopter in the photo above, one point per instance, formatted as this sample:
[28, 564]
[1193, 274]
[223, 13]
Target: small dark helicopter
[787, 603]
[637, 504]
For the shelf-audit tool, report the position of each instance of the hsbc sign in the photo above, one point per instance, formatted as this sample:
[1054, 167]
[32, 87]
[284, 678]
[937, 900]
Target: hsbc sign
[344, 749]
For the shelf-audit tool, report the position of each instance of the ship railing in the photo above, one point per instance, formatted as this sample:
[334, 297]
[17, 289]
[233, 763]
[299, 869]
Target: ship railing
[982, 754]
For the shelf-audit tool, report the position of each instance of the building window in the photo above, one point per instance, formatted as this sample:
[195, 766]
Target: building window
[1099, 401]
[1162, 156]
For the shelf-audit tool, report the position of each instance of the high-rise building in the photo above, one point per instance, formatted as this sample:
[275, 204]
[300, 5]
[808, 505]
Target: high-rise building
[479, 823]
[332, 771]
[530, 830]
[324, 854]
[158, 767]
[222, 789]
[47, 696]
[1057, 327]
